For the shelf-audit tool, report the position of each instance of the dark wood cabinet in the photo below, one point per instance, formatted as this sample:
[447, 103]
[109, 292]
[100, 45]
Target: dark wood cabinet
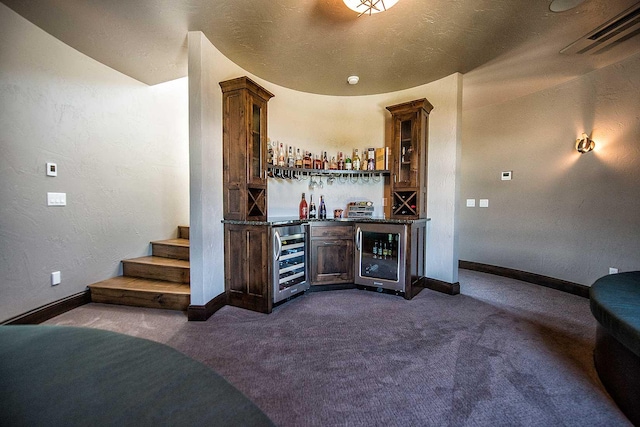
[331, 253]
[248, 267]
[244, 144]
[409, 148]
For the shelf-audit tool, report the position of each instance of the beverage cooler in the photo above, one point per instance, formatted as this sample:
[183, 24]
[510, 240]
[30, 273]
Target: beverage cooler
[289, 262]
[380, 260]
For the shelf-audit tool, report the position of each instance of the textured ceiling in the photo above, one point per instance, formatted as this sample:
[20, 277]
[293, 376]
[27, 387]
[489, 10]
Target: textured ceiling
[313, 45]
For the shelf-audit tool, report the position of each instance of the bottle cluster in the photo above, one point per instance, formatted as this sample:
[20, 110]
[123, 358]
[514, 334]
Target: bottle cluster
[385, 248]
[309, 211]
[279, 154]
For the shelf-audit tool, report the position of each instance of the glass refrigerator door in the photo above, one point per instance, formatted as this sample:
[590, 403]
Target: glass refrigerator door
[379, 256]
[291, 264]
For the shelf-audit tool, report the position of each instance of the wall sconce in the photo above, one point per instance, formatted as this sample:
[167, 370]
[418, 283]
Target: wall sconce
[584, 144]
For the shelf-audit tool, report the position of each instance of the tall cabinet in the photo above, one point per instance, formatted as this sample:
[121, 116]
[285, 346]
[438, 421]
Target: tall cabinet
[246, 235]
[409, 148]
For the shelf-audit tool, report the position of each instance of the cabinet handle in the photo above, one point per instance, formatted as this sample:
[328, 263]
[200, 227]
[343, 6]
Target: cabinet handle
[276, 255]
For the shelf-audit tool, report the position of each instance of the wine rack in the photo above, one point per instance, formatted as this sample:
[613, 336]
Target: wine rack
[405, 204]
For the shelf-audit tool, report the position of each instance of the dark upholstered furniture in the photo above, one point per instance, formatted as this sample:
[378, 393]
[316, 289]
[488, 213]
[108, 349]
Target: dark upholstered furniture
[615, 303]
[66, 376]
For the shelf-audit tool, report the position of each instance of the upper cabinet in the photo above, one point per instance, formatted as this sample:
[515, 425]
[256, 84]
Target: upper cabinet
[244, 145]
[409, 148]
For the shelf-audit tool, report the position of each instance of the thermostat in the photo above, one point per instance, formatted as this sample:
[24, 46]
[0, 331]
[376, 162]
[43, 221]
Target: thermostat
[506, 176]
[52, 169]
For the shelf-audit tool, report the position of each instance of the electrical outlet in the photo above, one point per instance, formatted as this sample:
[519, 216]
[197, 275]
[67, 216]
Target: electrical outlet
[55, 278]
[613, 270]
[471, 203]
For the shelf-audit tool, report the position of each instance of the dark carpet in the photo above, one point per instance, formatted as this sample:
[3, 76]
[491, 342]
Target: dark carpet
[503, 353]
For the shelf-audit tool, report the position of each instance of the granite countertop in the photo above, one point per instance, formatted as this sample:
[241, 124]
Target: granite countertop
[277, 221]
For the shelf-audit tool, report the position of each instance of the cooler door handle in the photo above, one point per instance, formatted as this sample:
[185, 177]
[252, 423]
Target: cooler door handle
[358, 238]
[278, 246]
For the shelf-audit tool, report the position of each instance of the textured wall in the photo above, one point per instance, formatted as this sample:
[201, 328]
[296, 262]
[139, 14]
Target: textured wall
[564, 215]
[122, 152]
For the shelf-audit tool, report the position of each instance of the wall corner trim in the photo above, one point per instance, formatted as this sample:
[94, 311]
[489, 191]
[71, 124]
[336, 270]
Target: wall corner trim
[524, 276]
[200, 313]
[51, 310]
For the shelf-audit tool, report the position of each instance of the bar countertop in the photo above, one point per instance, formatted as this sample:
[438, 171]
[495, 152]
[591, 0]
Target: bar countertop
[280, 221]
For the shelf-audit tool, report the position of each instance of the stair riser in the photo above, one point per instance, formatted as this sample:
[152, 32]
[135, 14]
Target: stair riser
[183, 232]
[156, 272]
[140, 299]
[167, 251]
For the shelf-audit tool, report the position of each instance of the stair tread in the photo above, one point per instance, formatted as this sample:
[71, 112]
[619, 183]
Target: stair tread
[143, 285]
[156, 260]
[172, 242]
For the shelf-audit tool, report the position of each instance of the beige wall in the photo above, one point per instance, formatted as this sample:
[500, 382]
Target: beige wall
[122, 153]
[564, 215]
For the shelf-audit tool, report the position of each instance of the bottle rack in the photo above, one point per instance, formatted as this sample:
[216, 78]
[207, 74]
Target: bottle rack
[331, 175]
[405, 203]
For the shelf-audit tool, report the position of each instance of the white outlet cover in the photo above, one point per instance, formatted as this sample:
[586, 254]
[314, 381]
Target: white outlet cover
[613, 270]
[55, 278]
[471, 203]
[484, 203]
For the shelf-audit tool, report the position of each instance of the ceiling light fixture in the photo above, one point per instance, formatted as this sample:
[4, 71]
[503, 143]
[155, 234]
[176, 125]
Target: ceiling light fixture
[584, 144]
[369, 7]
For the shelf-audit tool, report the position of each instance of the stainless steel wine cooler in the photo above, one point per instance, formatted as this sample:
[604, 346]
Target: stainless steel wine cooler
[289, 262]
[381, 256]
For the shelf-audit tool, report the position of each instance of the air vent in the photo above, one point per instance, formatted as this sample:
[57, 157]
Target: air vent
[609, 34]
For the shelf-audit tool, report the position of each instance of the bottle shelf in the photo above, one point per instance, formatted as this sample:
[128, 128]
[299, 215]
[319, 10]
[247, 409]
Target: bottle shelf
[330, 174]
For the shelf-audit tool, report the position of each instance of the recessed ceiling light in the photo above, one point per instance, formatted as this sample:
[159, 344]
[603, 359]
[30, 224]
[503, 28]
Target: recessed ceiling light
[353, 80]
[562, 5]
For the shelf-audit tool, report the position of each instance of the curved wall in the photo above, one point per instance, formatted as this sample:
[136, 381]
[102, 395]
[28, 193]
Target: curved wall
[564, 215]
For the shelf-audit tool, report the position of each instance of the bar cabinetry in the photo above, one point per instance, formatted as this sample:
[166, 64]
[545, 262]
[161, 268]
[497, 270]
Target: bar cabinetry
[409, 148]
[331, 253]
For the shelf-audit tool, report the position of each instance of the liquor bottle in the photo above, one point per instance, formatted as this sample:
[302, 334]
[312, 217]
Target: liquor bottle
[281, 156]
[323, 209]
[325, 162]
[333, 165]
[348, 164]
[312, 208]
[375, 249]
[340, 161]
[356, 161]
[291, 161]
[303, 209]
[385, 251]
[307, 163]
[269, 152]
[317, 163]
[298, 159]
[364, 162]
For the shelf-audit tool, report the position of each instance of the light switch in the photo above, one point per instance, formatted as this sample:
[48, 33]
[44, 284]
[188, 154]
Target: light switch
[484, 203]
[506, 175]
[56, 199]
[55, 278]
[471, 203]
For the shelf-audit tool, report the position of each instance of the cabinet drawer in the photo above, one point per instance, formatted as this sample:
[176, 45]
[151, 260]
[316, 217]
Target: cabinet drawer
[332, 231]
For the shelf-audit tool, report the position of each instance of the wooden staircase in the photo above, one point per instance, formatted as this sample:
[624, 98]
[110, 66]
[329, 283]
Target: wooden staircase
[157, 281]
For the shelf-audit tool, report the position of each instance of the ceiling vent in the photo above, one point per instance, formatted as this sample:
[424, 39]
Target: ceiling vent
[609, 34]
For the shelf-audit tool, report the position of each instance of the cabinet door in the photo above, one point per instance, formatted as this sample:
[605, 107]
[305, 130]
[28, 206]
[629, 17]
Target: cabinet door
[407, 150]
[247, 267]
[331, 261]
[256, 140]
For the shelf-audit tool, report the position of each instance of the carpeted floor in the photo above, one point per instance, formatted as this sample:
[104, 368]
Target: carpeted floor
[502, 353]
